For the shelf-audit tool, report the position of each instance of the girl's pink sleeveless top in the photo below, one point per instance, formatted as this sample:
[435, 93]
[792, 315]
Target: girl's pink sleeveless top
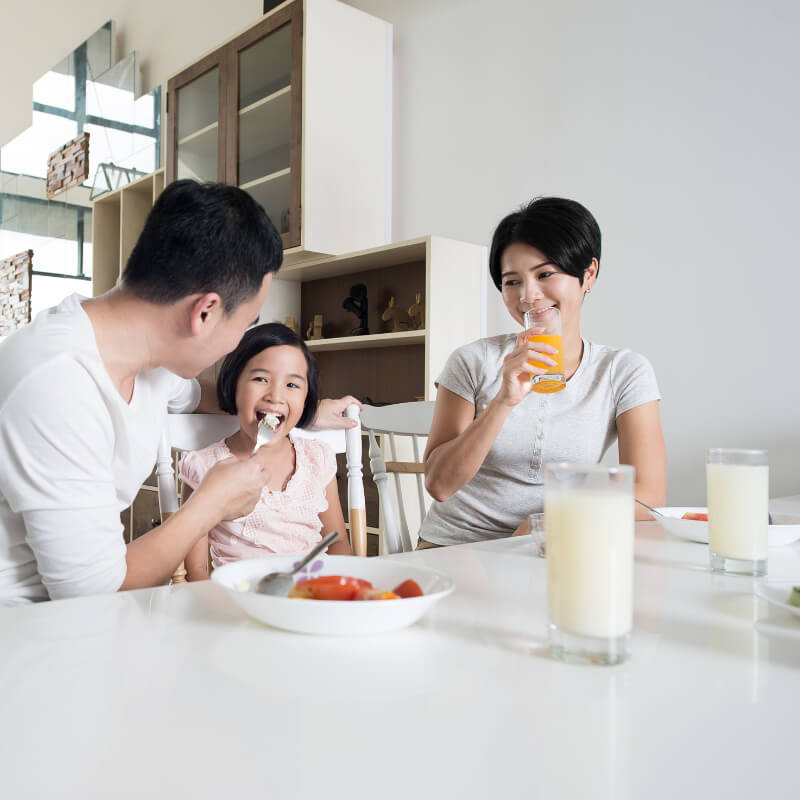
[281, 522]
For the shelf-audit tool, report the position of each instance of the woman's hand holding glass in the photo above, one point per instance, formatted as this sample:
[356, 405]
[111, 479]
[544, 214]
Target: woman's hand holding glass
[517, 367]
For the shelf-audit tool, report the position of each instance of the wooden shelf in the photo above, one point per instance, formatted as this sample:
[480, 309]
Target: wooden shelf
[198, 134]
[373, 340]
[326, 266]
[268, 99]
[258, 181]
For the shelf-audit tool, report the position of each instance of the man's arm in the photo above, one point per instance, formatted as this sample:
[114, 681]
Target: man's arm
[208, 398]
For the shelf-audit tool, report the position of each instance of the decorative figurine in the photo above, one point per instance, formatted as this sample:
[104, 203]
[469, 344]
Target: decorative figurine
[291, 323]
[398, 316]
[315, 328]
[417, 313]
[357, 304]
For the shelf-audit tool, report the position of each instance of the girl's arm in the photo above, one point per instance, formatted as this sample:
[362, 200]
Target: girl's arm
[196, 562]
[332, 519]
[459, 442]
[641, 443]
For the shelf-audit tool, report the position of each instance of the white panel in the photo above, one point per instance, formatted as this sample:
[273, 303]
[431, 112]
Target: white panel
[453, 314]
[283, 300]
[346, 134]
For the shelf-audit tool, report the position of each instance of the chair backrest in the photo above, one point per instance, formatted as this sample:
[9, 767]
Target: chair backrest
[403, 426]
[184, 432]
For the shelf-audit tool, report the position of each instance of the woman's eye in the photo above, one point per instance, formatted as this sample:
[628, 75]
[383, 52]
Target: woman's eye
[545, 274]
[511, 282]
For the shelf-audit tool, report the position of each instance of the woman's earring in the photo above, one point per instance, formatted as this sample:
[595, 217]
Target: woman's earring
[588, 291]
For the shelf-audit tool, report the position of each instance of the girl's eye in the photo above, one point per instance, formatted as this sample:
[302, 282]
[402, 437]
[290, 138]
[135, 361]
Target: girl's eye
[546, 274]
[260, 379]
[511, 282]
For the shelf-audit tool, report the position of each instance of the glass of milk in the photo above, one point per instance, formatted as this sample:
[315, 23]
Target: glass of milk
[737, 488]
[590, 521]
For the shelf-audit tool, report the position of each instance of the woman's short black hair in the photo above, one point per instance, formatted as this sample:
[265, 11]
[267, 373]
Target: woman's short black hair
[203, 237]
[254, 342]
[563, 230]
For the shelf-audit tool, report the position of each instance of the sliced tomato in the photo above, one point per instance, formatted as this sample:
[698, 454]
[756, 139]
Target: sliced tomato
[408, 588]
[329, 587]
[695, 517]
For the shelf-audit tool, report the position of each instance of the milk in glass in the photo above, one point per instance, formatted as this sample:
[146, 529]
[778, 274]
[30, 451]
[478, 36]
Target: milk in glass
[590, 561]
[738, 500]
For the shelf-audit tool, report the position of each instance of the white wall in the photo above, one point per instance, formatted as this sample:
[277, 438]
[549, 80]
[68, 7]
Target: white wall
[676, 124]
[166, 35]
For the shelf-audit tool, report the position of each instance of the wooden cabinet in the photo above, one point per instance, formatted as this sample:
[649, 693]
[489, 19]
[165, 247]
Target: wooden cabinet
[385, 366]
[117, 220]
[297, 111]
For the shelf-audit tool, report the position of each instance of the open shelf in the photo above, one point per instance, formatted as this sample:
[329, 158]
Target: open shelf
[400, 339]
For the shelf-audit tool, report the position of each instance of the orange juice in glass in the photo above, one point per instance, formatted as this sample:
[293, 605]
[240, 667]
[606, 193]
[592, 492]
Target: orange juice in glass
[548, 323]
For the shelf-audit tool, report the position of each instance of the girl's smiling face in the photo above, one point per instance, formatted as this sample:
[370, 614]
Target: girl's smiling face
[530, 280]
[275, 380]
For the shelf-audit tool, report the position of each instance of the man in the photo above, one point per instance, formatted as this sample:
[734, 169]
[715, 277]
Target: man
[85, 388]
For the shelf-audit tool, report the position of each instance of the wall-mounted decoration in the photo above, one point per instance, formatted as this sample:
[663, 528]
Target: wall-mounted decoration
[315, 328]
[417, 313]
[357, 304]
[68, 166]
[398, 316]
[15, 291]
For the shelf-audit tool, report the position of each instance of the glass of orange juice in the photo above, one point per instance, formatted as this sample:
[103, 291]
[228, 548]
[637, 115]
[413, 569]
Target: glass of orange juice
[547, 322]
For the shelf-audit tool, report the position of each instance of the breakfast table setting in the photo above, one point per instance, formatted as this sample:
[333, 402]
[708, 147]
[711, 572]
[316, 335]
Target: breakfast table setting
[180, 691]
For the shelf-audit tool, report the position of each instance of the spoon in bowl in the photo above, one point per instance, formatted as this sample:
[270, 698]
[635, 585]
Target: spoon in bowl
[649, 508]
[280, 583]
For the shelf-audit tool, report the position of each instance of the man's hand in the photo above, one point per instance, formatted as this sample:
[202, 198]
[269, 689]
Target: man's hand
[330, 413]
[233, 486]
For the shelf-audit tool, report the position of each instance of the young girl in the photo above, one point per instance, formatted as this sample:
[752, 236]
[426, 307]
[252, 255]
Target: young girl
[271, 371]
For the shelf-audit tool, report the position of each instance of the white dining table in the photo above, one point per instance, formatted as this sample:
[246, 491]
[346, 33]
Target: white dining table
[174, 692]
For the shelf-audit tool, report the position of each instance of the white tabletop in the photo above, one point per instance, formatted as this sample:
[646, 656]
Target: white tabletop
[174, 692]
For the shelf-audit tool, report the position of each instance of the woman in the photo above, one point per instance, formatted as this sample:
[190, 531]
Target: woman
[491, 436]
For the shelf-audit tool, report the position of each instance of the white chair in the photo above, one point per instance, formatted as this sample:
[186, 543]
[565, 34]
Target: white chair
[184, 432]
[403, 426]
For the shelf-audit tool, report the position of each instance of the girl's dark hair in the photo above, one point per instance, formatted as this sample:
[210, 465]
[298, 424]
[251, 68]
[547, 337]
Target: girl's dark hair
[254, 342]
[562, 229]
[203, 237]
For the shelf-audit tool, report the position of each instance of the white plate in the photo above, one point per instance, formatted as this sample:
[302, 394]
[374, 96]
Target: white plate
[777, 593]
[784, 530]
[331, 617]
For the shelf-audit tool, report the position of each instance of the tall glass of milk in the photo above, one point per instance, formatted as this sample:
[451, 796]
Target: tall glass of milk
[737, 488]
[589, 516]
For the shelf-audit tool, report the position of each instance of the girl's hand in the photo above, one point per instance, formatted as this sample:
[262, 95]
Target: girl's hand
[234, 485]
[517, 370]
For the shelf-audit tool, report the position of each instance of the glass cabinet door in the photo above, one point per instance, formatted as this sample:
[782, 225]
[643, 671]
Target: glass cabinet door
[197, 134]
[268, 94]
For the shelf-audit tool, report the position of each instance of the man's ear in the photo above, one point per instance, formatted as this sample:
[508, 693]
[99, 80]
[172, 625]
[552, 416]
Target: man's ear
[203, 311]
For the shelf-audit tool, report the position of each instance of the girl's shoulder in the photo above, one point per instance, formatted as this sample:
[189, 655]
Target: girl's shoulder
[319, 456]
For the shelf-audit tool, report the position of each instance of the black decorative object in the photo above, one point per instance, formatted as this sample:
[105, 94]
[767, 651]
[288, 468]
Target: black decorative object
[357, 304]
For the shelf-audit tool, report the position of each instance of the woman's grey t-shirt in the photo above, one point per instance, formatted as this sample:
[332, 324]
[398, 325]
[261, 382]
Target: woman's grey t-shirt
[577, 424]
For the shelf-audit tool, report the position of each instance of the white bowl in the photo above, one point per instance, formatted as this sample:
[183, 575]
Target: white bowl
[784, 530]
[332, 617]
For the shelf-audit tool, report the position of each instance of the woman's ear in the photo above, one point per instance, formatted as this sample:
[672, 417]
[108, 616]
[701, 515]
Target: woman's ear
[590, 275]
